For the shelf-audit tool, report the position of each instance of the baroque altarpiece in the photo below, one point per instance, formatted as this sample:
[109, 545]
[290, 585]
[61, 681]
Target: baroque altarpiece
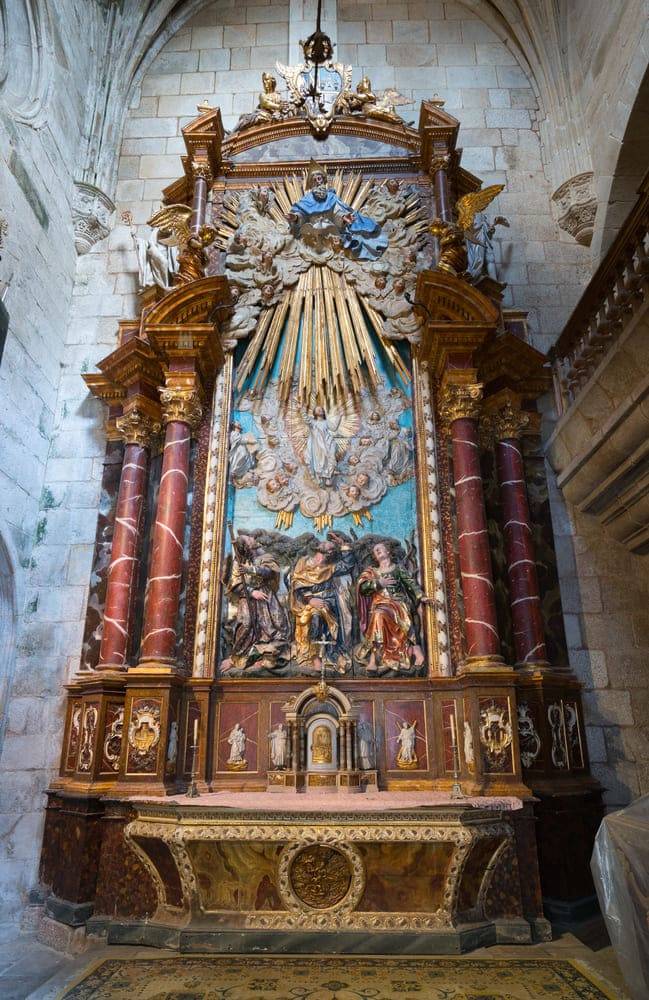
[324, 565]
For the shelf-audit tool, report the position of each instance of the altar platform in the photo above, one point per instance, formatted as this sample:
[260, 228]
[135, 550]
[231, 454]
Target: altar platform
[369, 801]
[380, 872]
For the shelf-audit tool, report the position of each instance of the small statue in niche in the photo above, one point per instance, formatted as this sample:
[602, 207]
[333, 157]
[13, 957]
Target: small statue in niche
[172, 748]
[480, 248]
[366, 746]
[469, 755]
[323, 221]
[157, 262]
[406, 756]
[321, 746]
[279, 746]
[237, 741]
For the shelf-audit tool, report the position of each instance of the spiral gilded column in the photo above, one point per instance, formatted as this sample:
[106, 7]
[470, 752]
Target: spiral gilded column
[460, 409]
[181, 410]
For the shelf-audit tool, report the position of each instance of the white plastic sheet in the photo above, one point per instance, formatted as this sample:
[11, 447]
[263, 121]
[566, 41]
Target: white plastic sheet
[620, 866]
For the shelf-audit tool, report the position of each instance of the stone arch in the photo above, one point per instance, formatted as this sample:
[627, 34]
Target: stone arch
[9, 581]
[25, 59]
[618, 194]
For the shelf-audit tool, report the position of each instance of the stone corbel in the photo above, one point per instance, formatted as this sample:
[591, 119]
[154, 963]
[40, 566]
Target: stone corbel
[575, 205]
[91, 214]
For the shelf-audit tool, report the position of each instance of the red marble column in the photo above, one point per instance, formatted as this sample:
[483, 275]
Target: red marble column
[460, 408]
[136, 429]
[524, 595]
[181, 412]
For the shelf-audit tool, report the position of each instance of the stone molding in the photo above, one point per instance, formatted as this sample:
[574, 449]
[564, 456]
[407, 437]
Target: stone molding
[91, 214]
[576, 205]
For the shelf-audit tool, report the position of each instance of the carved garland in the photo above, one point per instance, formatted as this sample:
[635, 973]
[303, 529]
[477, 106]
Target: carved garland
[429, 484]
[213, 511]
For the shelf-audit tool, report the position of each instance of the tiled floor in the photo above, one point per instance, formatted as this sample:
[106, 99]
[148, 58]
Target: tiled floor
[30, 970]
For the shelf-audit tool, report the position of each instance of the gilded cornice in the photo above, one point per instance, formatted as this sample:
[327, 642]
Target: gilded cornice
[133, 362]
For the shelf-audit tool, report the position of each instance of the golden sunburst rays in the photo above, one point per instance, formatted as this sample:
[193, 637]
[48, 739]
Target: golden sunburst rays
[284, 520]
[318, 339]
[358, 515]
[319, 335]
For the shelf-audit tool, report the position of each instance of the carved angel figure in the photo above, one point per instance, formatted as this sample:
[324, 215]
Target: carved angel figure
[173, 221]
[380, 106]
[480, 248]
[320, 439]
[453, 257]
[156, 261]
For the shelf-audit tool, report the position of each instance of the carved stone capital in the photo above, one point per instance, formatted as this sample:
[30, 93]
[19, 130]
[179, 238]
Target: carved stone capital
[439, 163]
[459, 401]
[201, 168]
[509, 421]
[576, 204]
[137, 427]
[91, 215]
[181, 403]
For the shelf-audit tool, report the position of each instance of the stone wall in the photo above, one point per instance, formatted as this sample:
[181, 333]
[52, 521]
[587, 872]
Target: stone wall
[615, 125]
[43, 106]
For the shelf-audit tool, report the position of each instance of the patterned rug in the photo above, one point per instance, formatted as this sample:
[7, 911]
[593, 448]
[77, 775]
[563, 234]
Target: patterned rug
[326, 977]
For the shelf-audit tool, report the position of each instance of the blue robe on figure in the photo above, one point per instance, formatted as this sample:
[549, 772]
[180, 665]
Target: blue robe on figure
[362, 237]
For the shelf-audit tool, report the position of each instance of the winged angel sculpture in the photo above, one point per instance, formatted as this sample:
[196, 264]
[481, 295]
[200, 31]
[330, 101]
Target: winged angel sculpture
[172, 223]
[453, 254]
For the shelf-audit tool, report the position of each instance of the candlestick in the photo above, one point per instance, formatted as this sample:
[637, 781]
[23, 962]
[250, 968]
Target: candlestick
[456, 787]
[192, 791]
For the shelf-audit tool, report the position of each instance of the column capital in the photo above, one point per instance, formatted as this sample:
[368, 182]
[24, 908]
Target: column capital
[137, 426]
[460, 400]
[201, 168]
[439, 163]
[508, 421]
[182, 403]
